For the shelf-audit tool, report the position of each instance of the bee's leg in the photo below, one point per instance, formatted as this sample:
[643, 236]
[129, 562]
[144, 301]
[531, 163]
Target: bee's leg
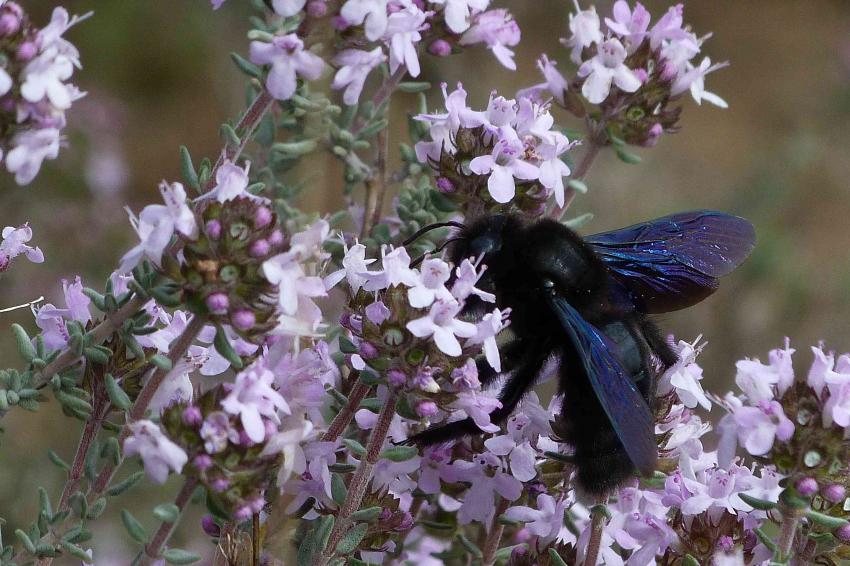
[658, 344]
[530, 365]
[511, 355]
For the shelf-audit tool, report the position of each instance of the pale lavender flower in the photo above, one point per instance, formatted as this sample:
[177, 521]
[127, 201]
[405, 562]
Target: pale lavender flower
[176, 387]
[289, 443]
[372, 14]
[458, 13]
[520, 455]
[487, 476]
[441, 323]
[552, 167]
[444, 126]
[354, 264]
[14, 243]
[31, 148]
[669, 27]
[465, 377]
[586, 31]
[821, 367]
[478, 406]
[158, 453]
[756, 380]
[402, 35]
[485, 334]
[288, 60]
[431, 285]
[354, 68]
[296, 291]
[394, 476]
[216, 432]
[287, 8]
[466, 278]
[253, 399]
[718, 490]
[395, 271]
[51, 320]
[157, 223]
[693, 79]
[607, 67]
[503, 166]
[231, 182]
[377, 312]
[758, 427]
[837, 406]
[545, 521]
[685, 375]
[555, 84]
[630, 24]
[499, 31]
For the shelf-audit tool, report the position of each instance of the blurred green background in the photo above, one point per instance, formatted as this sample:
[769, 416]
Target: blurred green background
[158, 75]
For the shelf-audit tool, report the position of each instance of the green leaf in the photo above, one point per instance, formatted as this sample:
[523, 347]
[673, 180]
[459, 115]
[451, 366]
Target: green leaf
[223, 347]
[689, 561]
[338, 490]
[827, 521]
[765, 539]
[246, 66]
[470, 546]
[96, 355]
[117, 396]
[76, 551]
[73, 402]
[57, 460]
[229, 135]
[22, 340]
[25, 540]
[187, 169]
[628, 157]
[307, 548]
[367, 515]
[579, 220]
[134, 527]
[179, 556]
[441, 202]
[355, 447]
[399, 453]
[346, 346]
[167, 512]
[352, 539]
[556, 558]
[755, 502]
[414, 86]
[323, 533]
[96, 509]
[578, 185]
[126, 484]
[162, 362]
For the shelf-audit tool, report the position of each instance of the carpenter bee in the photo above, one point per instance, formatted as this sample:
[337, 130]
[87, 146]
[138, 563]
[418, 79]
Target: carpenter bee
[587, 302]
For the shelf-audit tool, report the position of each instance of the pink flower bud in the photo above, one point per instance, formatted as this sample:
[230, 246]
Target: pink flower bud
[396, 377]
[220, 484]
[652, 136]
[842, 533]
[368, 350]
[243, 513]
[202, 462]
[209, 526]
[642, 75]
[244, 439]
[257, 504]
[276, 238]
[726, 543]
[243, 319]
[271, 428]
[669, 72]
[834, 493]
[262, 217]
[445, 185]
[260, 248]
[440, 48]
[339, 23]
[807, 486]
[426, 408]
[317, 9]
[522, 535]
[213, 229]
[217, 303]
[10, 24]
[406, 522]
[26, 51]
[192, 416]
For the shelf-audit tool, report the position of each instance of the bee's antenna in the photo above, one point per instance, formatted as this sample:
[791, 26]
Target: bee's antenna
[420, 259]
[430, 227]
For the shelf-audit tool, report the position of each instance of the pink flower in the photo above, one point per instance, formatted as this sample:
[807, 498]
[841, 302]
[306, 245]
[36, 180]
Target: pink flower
[669, 27]
[503, 166]
[158, 453]
[820, 368]
[431, 285]
[464, 286]
[372, 13]
[395, 271]
[253, 398]
[555, 84]
[354, 68]
[759, 427]
[487, 475]
[288, 442]
[288, 60]
[478, 407]
[51, 320]
[485, 333]
[520, 455]
[630, 24]
[458, 12]
[684, 377]
[499, 31]
[402, 35]
[693, 79]
[545, 521]
[607, 67]
[231, 182]
[31, 148]
[837, 406]
[443, 326]
[585, 30]
[14, 243]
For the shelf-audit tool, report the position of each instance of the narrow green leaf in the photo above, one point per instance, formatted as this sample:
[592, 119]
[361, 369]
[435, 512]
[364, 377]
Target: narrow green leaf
[470, 546]
[57, 460]
[25, 540]
[76, 552]
[223, 347]
[399, 453]
[766, 540]
[628, 157]
[689, 561]
[96, 509]
[126, 484]
[556, 558]
[414, 87]
[824, 520]
[96, 355]
[73, 402]
[323, 533]
[338, 490]
[117, 396]
[22, 340]
[352, 539]
[367, 515]
[187, 169]
[441, 202]
[578, 185]
[167, 512]
[355, 447]
[134, 527]
[162, 362]
[760, 504]
[246, 66]
[180, 556]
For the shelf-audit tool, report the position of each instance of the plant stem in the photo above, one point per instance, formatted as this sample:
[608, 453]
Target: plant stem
[247, 124]
[591, 152]
[597, 525]
[494, 535]
[255, 540]
[790, 522]
[376, 186]
[360, 481]
[344, 416]
[381, 95]
[154, 548]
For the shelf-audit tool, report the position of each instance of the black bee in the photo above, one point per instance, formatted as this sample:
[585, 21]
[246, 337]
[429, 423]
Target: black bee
[587, 301]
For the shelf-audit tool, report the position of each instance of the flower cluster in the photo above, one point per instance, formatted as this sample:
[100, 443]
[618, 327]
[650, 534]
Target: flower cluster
[378, 31]
[631, 69]
[34, 88]
[508, 153]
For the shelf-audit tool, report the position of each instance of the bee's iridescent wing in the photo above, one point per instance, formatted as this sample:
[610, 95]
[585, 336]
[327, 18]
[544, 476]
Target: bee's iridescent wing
[674, 262]
[625, 407]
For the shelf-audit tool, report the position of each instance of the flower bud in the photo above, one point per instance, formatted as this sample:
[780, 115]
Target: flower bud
[10, 24]
[396, 377]
[243, 513]
[213, 229]
[259, 248]
[642, 75]
[262, 217]
[669, 71]
[521, 536]
[426, 408]
[652, 135]
[26, 51]
[834, 493]
[807, 486]
[368, 350]
[192, 416]
[276, 238]
[339, 23]
[243, 319]
[209, 526]
[445, 185]
[317, 9]
[406, 522]
[271, 428]
[217, 303]
[244, 439]
[440, 48]
[220, 484]
[842, 533]
[202, 462]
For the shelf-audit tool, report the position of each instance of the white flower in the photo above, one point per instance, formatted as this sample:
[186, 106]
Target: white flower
[457, 12]
[287, 8]
[288, 60]
[693, 79]
[231, 182]
[354, 68]
[30, 149]
[607, 66]
[176, 387]
[402, 35]
[288, 442]
[585, 30]
[504, 165]
[441, 323]
[372, 13]
[485, 333]
[685, 375]
[396, 271]
[158, 453]
[157, 223]
[253, 398]
[44, 77]
[431, 285]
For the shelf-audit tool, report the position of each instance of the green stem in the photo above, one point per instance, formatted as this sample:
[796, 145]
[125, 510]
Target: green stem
[154, 548]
